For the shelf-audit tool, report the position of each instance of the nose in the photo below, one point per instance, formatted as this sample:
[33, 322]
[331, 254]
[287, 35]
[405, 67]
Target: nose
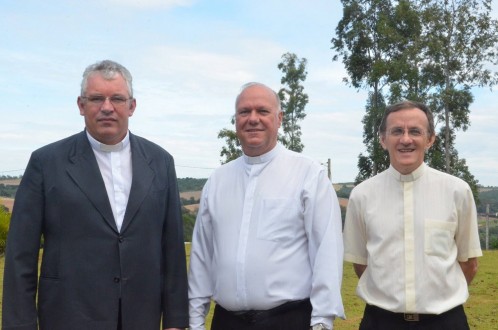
[107, 105]
[253, 117]
[406, 138]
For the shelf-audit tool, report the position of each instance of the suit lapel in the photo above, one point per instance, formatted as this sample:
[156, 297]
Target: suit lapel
[84, 171]
[141, 181]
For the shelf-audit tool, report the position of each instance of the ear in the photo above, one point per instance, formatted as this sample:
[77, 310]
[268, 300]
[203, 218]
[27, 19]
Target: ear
[280, 118]
[430, 141]
[133, 105]
[81, 105]
[382, 138]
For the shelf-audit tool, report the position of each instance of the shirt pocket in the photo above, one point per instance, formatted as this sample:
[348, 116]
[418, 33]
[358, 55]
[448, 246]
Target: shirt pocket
[279, 219]
[439, 237]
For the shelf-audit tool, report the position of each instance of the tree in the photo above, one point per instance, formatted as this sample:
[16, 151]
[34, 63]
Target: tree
[432, 51]
[232, 150]
[293, 99]
[364, 40]
[459, 38]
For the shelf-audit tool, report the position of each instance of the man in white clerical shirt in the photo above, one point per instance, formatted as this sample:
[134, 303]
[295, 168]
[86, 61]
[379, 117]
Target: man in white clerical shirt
[267, 244]
[411, 233]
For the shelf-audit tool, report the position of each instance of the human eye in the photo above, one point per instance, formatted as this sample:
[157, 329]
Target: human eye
[118, 99]
[396, 131]
[415, 132]
[243, 112]
[97, 99]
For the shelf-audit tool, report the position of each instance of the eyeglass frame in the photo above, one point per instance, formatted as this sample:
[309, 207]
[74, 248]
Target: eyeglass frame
[101, 100]
[399, 132]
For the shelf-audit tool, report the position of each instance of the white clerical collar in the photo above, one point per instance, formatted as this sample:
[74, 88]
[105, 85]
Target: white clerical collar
[98, 146]
[407, 177]
[264, 157]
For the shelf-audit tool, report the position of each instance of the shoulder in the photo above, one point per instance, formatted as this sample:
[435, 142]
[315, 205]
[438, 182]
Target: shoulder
[59, 146]
[447, 182]
[148, 147]
[439, 177]
[298, 160]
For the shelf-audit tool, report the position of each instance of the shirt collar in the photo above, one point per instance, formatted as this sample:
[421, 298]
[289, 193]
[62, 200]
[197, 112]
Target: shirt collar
[407, 177]
[264, 157]
[98, 146]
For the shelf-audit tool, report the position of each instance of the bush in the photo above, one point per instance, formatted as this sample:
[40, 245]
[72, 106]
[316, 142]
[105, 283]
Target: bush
[4, 228]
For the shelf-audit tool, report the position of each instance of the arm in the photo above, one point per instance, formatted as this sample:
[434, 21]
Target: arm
[359, 269]
[469, 269]
[201, 254]
[23, 246]
[322, 217]
[175, 307]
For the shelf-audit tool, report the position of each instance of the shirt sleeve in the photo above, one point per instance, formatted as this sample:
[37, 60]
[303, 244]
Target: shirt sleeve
[323, 223]
[355, 238]
[467, 235]
[200, 275]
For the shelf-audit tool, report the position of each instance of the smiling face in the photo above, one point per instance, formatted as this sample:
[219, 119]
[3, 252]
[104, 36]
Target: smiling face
[406, 139]
[257, 120]
[105, 122]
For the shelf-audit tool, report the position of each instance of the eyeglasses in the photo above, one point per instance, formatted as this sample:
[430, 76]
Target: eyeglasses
[98, 100]
[413, 132]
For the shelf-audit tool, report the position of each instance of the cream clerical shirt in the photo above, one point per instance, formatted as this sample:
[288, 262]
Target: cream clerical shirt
[268, 231]
[411, 231]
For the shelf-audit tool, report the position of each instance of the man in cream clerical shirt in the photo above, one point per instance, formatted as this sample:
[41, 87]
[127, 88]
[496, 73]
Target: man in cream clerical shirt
[411, 233]
[267, 244]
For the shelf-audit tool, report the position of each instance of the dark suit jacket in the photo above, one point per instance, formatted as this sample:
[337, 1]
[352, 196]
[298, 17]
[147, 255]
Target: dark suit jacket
[87, 265]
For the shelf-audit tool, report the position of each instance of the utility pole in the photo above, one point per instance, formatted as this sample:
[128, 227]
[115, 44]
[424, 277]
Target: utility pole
[329, 170]
[487, 226]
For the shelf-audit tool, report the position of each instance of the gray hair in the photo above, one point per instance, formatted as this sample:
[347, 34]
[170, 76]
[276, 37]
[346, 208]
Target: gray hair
[251, 84]
[108, 69]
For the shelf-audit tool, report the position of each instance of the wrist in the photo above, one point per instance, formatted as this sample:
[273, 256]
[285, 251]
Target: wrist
[319, 326]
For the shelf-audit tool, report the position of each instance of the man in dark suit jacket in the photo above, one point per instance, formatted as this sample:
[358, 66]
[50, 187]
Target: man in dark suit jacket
[106, 204]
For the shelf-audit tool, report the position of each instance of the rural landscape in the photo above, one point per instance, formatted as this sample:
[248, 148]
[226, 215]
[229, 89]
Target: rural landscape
[481, 308]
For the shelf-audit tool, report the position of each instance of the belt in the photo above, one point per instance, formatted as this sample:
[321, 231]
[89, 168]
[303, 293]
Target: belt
[255, 316]
[411, 317]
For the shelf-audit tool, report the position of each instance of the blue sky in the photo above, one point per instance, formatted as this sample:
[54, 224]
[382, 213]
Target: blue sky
[189, 59]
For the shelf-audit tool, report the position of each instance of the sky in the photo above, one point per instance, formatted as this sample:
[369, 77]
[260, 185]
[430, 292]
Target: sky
[189, 59]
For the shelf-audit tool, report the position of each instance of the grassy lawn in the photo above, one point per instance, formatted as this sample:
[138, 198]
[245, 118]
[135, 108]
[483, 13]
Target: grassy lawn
[481, 308]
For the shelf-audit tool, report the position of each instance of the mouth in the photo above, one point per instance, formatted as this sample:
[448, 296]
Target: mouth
[406, 150]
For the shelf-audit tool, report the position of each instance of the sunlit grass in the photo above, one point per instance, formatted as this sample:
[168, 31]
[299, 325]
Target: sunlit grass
[481, 308]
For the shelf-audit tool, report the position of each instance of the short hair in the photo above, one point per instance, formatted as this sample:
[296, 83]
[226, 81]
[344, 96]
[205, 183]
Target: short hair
[253, 83]
[108, 69]
[407, 104]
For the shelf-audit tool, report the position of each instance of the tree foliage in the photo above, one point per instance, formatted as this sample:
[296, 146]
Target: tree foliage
[433, 51]
[293, 99]
[232, 150]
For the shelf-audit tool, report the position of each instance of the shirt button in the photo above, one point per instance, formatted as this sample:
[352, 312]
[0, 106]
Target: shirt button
[116, 280]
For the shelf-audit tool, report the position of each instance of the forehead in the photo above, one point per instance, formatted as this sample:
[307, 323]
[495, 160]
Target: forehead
[98, 81]
[255, 96]
[412, 117]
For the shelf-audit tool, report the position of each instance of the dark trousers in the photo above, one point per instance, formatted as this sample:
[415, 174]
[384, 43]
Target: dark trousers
[375, 318]
[291, 316]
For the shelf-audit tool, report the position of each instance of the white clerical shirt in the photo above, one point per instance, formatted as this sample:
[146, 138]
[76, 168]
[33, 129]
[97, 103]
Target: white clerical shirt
[268, 231]
[411, 231]
[116, 168]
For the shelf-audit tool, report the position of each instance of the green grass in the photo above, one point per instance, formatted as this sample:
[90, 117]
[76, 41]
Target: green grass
[481, 308]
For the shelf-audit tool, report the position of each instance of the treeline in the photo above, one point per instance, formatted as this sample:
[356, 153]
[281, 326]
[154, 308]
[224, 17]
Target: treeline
[190, 184]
